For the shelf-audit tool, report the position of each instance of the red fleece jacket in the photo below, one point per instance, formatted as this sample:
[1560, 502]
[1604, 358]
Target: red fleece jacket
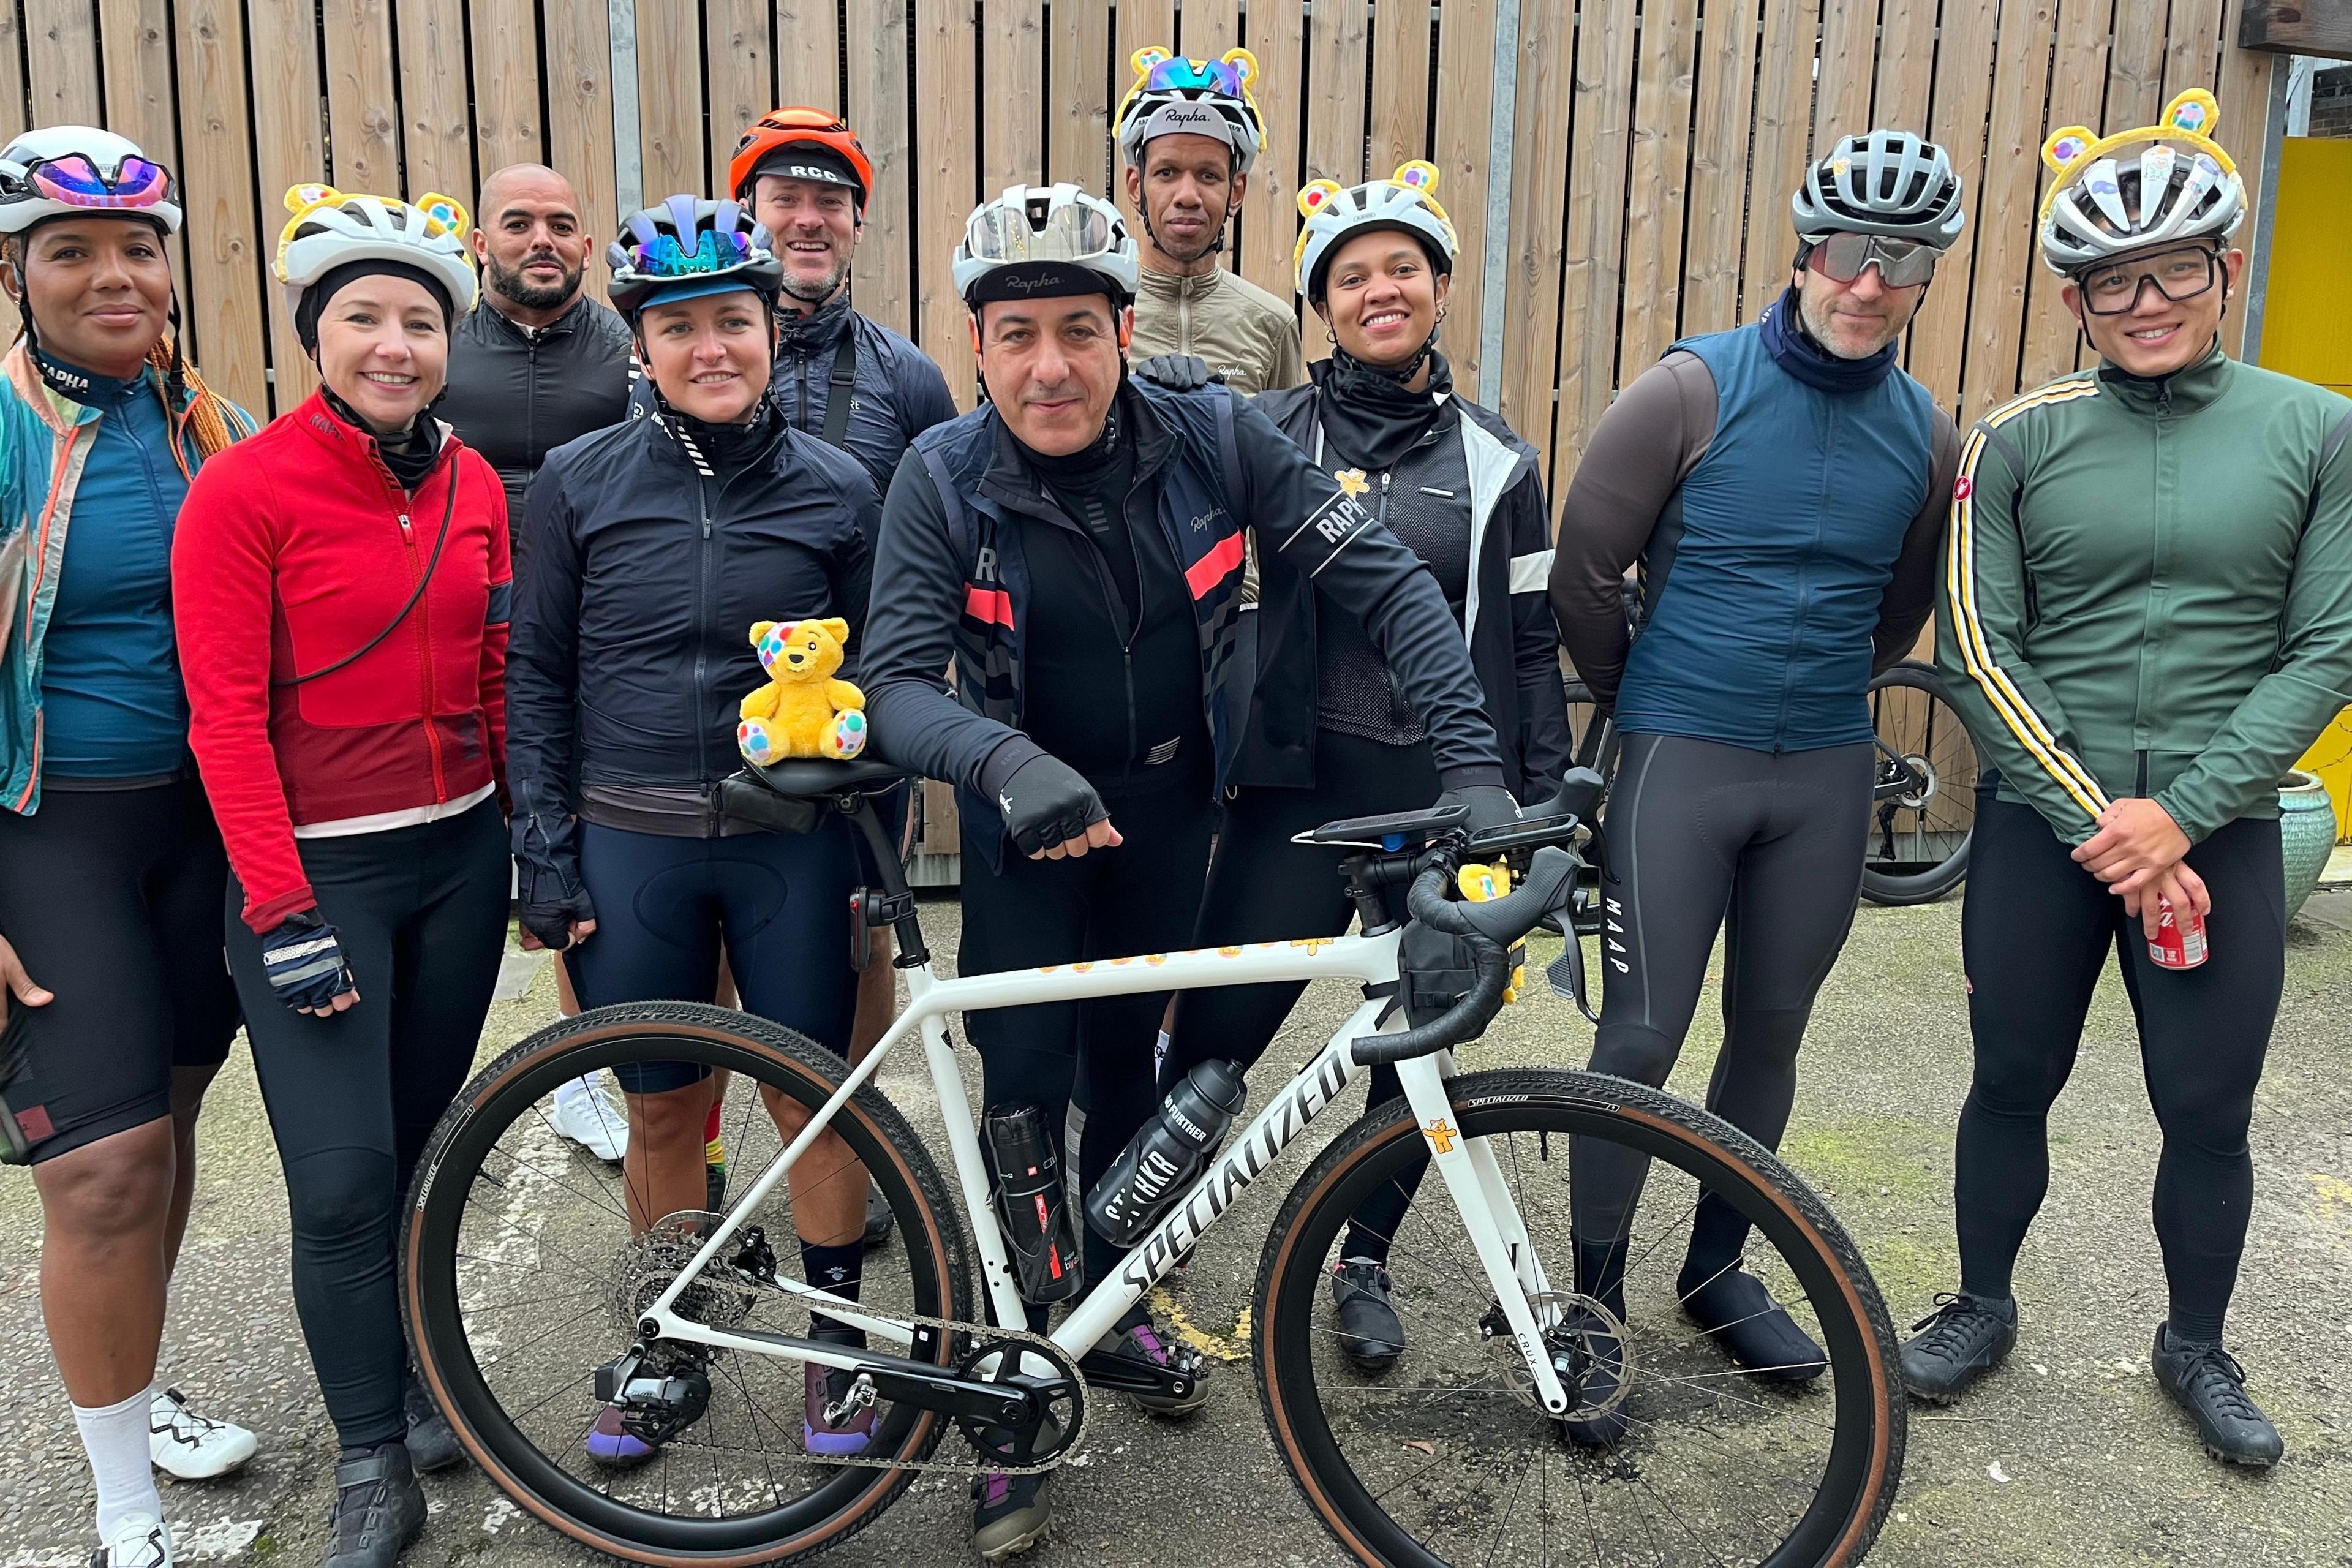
[293, 549]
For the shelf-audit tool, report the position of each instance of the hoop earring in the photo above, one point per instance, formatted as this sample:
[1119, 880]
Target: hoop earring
[1330, 336]
[1441, 315]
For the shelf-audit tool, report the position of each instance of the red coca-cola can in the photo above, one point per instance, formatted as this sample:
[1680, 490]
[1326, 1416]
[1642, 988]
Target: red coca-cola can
[2180, 941]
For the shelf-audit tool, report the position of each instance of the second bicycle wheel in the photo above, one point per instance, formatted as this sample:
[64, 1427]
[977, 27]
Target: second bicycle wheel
[524, 1271]
[1923, 796]
[1445, 1458]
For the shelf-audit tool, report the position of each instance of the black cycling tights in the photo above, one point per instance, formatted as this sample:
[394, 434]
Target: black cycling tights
[2036, 932]
[422, 913]
[1141, 897]
[1767, 848]
[1264, 887]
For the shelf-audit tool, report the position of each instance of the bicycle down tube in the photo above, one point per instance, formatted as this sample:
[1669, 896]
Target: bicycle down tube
[1496, 1231]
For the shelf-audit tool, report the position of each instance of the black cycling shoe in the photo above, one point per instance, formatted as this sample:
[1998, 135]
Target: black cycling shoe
[1755, 1331]
[1965, 1337]
[2206, 1381]
[379, 1508]
[431, 1444]
[1370, 1331]
[1603, 1365]
[880, 1220]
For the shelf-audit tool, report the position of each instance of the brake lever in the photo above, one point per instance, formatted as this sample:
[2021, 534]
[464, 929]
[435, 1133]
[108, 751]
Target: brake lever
[1566, 975]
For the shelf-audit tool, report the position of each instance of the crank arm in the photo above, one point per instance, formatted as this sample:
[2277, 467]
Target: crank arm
[917, 1383]
[1128, 1375]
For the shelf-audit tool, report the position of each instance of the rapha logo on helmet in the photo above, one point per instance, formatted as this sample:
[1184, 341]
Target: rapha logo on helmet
[1018, 284]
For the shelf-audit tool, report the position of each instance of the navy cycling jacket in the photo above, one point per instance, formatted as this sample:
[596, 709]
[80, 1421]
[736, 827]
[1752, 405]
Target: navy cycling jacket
[632, 635]
[953, 584]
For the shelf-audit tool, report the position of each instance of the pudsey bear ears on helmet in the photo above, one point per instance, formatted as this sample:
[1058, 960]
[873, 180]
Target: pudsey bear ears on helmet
[1144, 59]
[2190, 118]
[445, 214]
[1419, 175]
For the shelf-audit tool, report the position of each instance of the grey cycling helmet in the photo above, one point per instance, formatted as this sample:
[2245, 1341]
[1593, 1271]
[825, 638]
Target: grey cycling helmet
[2154, 185]
[1890, 183]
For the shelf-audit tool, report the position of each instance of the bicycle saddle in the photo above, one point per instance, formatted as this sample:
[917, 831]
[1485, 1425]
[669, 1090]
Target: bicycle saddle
[813, 778]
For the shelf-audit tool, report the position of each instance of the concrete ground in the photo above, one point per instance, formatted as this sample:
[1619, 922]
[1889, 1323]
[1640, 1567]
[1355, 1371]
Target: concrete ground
[2070, 1454]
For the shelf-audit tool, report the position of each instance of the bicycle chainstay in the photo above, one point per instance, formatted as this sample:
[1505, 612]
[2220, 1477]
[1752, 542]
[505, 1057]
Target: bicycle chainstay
[1063, 1360]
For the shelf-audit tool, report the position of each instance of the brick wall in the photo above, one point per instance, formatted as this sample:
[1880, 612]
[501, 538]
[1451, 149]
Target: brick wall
[2331, 102]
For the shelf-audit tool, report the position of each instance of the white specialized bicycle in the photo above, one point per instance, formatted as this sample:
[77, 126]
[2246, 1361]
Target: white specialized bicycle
[536, 1306]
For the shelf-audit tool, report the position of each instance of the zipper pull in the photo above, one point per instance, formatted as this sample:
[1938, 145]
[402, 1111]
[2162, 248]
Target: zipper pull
[407, 532]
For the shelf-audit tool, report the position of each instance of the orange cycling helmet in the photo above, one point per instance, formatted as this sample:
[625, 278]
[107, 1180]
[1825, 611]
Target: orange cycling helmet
[782, 128]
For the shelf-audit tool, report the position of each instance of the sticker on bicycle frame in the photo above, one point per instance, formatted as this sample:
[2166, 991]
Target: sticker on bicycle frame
[1352, 482]
[1441, 1136]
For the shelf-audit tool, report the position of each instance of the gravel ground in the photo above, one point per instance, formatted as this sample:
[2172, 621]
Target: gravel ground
[2070, 1454]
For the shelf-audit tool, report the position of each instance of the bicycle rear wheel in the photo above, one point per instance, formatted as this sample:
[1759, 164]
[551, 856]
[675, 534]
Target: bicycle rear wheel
[1924, 803]
[522, 1275]
[1445, 1458]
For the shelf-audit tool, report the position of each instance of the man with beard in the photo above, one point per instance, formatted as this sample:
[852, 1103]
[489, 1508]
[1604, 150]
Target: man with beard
[1783, 487]
[535, 363]
[1188, 133]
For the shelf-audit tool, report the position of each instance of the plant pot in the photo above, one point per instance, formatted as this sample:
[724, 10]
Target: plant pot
[2307, 834]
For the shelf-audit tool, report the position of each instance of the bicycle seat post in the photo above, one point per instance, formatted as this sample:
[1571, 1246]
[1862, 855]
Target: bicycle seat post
[896, 907]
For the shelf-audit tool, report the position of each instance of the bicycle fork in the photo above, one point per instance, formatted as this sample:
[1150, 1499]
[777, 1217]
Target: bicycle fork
[1498, 1232]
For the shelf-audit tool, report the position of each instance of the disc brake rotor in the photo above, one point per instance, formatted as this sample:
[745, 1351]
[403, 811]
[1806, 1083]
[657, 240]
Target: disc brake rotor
[1577, 1320]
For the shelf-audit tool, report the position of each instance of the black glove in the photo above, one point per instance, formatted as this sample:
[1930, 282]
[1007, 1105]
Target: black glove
[547, 879]
[1047, 802]
[1177, 373]
[304, 961]
[1491, 805]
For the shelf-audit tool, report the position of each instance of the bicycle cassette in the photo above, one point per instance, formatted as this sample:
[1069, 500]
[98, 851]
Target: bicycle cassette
[721, 1297]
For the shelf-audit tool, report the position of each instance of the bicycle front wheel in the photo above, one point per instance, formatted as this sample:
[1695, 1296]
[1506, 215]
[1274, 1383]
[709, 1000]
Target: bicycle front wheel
[524, 1270]
[1447, 1458]
[1923, 798]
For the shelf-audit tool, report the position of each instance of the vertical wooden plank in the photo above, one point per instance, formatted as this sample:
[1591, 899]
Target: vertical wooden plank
[1848, 57]
[2243, 93]
[1784, 89]
[2005, 246]
[1590, 270]
[140, 104]
[580, 121]
[1143, 23]
[808, 56]
[1653, 214]
[2076, 76]
[1011, 118]
[507, 122]
[1906, 58]
[1400, 84]
[948, 181]
[284, 57]
[362, 132]
[1531, 301]
[1963, 89]
[669, 97]
[1270, 223]
[11, 75]
[742, 76]
[883, 276]
[61, 46]
[1338, 35]
[436, 121]
[1211, 28]
[1718, 174]
[2193, 47]
[228, 240]
[1086, 82]
[1465, 110]
[2135, 65]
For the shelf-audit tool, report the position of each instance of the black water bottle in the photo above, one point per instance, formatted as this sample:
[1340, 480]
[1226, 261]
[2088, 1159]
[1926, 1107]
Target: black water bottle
[1167, 1155]
[1030, 1203]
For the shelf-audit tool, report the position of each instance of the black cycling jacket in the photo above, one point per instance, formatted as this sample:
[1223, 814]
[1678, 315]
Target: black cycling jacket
[953, 583]
[632, 640]
[516, 395]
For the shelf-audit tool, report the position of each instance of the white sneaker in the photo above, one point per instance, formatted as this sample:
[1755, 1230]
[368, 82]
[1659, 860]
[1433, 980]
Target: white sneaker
[139, 1541]
[586, 1113]
[190, 1446]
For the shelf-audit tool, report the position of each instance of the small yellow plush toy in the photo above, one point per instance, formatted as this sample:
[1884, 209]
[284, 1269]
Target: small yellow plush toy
[801, 712]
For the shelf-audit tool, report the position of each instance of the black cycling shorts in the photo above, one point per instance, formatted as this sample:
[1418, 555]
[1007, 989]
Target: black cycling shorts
[112, 901]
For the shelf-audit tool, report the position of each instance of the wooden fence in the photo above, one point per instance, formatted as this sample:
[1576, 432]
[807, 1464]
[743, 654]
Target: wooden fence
[1651, 144]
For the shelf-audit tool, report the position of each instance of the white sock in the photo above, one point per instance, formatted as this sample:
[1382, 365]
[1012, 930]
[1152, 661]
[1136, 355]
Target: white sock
[115, 1438]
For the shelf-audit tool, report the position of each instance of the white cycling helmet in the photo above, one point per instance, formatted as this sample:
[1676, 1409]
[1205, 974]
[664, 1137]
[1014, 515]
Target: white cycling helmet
[1202, 98]
[2159, 183]
[1404, 202]
[330, 229]
[1890, 183]
[63, 170]
[1037, 241]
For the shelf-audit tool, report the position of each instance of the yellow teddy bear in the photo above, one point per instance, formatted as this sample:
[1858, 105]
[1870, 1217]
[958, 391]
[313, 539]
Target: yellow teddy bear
[801, 712]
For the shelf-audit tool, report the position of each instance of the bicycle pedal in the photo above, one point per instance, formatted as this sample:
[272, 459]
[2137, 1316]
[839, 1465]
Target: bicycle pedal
[1126, 1374]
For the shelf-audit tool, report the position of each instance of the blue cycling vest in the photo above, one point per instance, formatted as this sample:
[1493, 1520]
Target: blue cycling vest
[1762, 583]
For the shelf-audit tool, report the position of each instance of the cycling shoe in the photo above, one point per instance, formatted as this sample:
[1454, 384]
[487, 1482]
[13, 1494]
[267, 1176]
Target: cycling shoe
[379, 1508]
[880, 1220]
[432, 1445]
[1146, 1341]
[189, 1446]
[1370, 1331]
[2206, 1381]
[1603, 1363]
[825, 1385]
[1755, 1331]
[1010, 1513]
[1964, 1338]
[613, 1446]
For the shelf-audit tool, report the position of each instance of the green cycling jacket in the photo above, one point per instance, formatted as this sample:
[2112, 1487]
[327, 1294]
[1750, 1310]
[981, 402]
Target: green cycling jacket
[2148, 590]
